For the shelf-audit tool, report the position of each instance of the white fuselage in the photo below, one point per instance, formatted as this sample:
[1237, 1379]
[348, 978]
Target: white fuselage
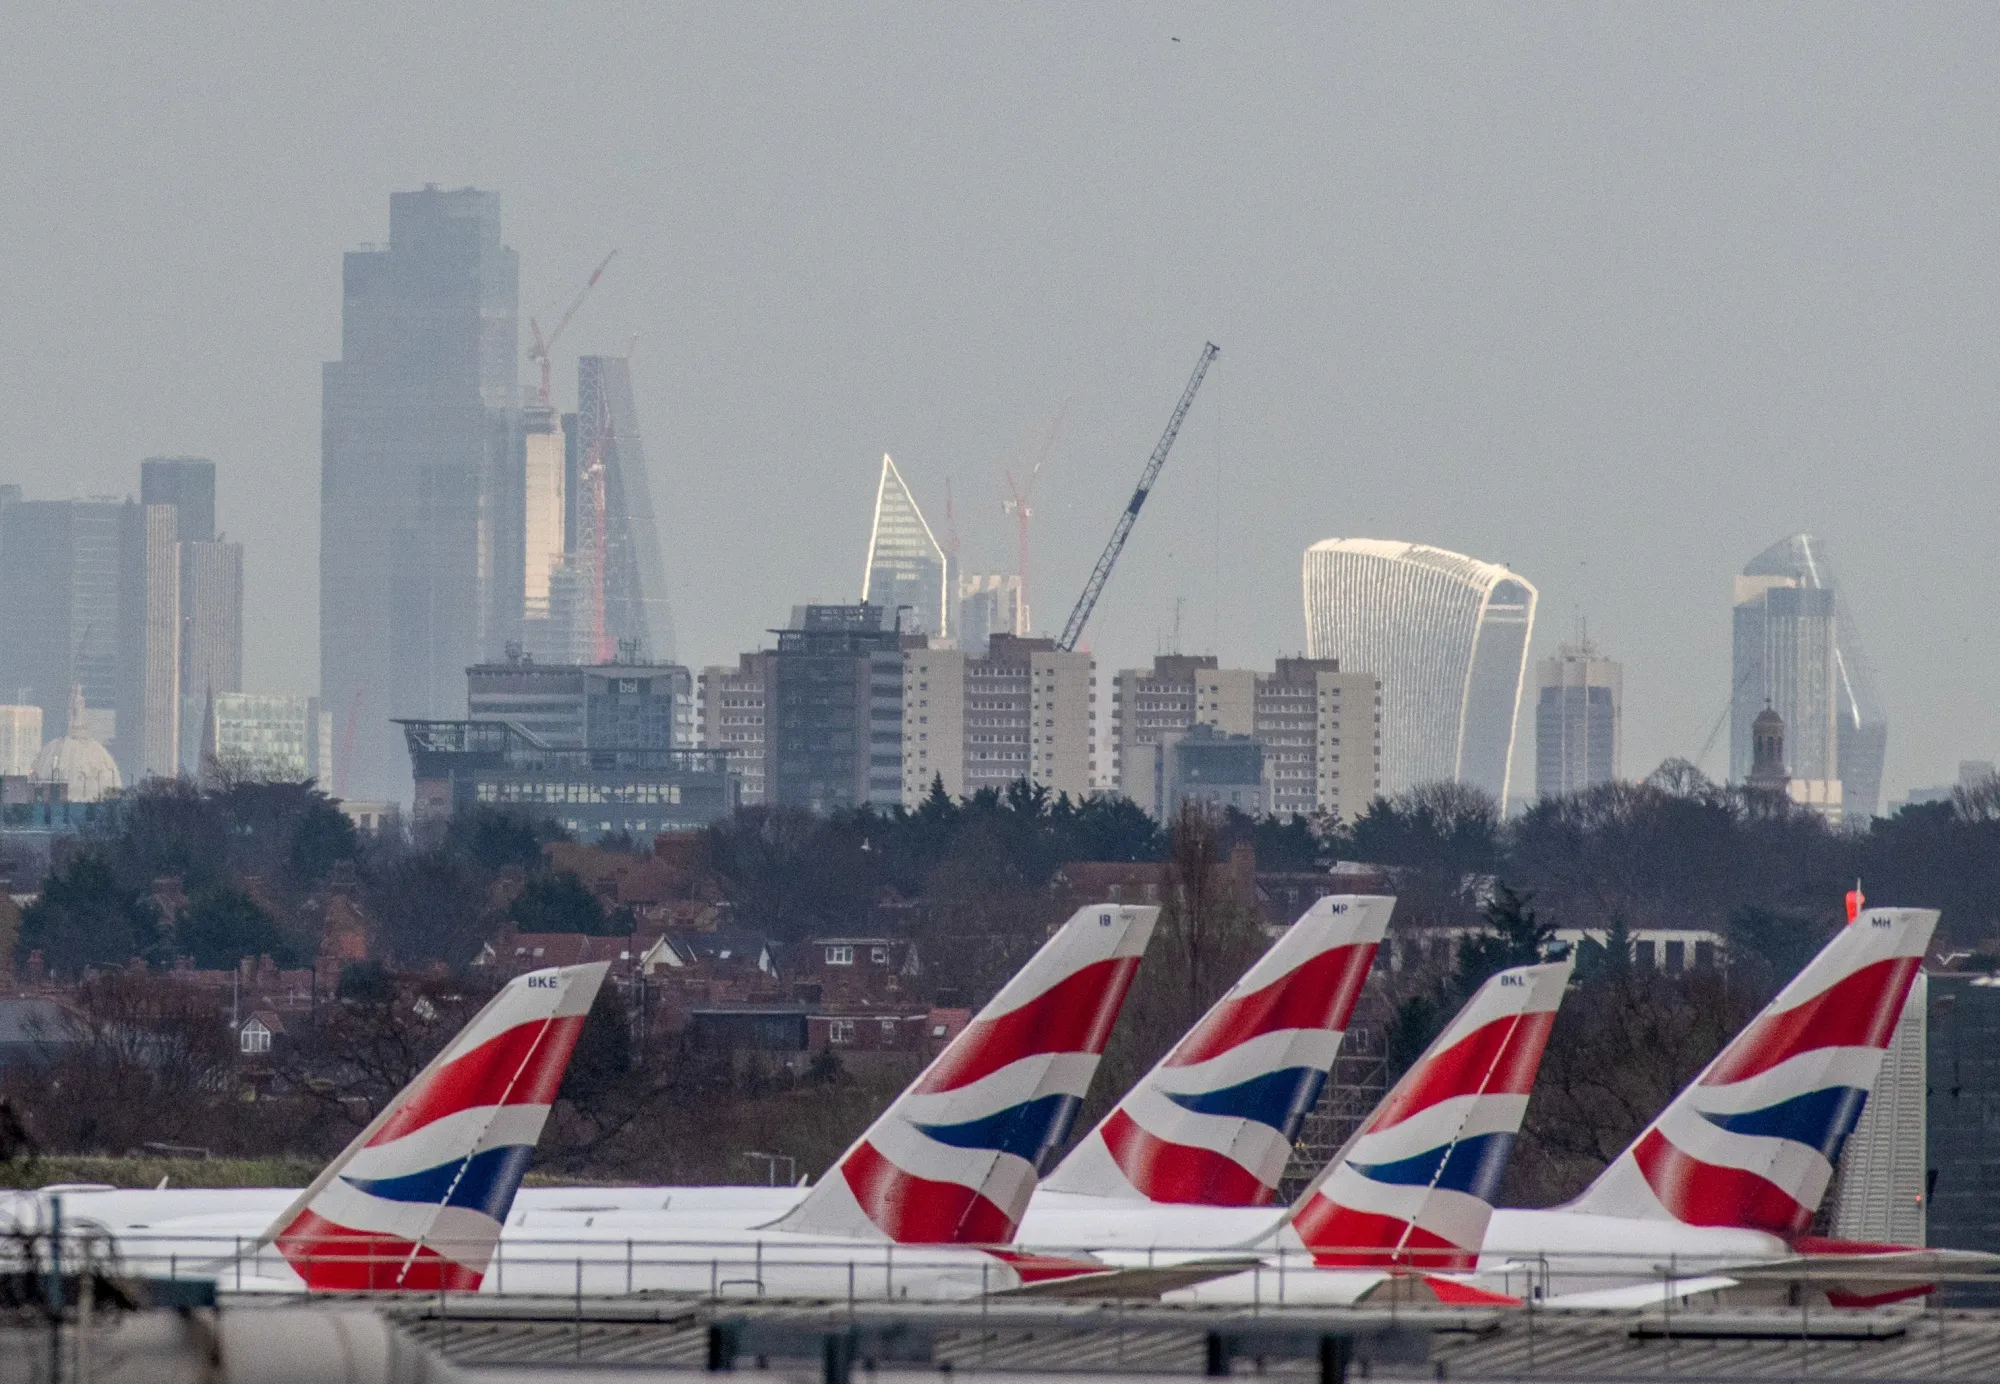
[697, 1238]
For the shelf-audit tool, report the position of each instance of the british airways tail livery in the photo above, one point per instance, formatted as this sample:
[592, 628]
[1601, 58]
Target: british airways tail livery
[1753, 1142]
[1414, 1189]
[1213, 1123]
[956, 1157]
[417, 1201]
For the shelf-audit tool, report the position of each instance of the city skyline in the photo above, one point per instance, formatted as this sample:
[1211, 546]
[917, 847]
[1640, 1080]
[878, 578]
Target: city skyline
[1521, 320]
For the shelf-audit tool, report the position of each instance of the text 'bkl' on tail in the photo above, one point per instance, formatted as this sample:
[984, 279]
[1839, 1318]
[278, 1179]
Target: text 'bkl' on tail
[417, 1201]
[1213, 1123]
[1752, 1143]
[956, 1157]
[1415, 1187]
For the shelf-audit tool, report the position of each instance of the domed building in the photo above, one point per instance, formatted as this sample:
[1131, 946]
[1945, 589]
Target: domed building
[78, 762]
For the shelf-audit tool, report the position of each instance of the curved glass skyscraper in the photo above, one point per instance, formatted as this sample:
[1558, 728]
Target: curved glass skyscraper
[1448, 637]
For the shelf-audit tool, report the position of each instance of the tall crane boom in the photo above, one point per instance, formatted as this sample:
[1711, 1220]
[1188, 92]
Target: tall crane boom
[1101, 574]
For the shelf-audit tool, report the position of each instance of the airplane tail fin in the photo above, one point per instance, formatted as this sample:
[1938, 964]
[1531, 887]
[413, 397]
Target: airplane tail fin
[1415, 1187]
[417, 1200]
[1753, 1141]
[955, 1158]
[1213, 1123]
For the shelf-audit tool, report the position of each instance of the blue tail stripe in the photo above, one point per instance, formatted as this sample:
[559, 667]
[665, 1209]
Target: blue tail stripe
[1030, 1130]
[1279, 1099]
[1473, 1165]
[1818, 1119]
[488, 1183]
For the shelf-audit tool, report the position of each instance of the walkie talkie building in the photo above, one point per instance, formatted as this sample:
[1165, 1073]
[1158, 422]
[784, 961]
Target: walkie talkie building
[1448, 637]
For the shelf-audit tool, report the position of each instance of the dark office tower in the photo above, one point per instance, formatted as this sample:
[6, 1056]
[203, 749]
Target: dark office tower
[420, 478]
[186, 483]
[61, 568]
[93, 600]
[834, 727]
[605, 431]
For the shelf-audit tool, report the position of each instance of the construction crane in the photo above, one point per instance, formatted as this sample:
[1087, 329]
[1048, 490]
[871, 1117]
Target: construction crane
[1017, 508]
[1101, 574]
[538, 349]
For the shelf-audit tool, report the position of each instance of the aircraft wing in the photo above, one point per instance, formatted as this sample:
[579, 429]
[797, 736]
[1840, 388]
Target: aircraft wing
[1137, 1282]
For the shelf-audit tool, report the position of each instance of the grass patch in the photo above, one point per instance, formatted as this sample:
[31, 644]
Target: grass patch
[283, 1171]
[147, 1172]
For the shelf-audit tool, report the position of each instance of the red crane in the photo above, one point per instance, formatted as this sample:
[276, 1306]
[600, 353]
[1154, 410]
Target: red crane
[1016, 505]
[538, 349]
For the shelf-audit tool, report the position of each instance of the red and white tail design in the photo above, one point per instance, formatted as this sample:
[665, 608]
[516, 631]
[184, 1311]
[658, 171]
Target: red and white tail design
[417, 1201]
[956, 1157]
[1213, 1123]
[1753, 1141]
[1415, 1187]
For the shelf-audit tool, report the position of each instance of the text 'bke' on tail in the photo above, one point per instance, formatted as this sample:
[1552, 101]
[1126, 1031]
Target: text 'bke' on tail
[1753, 1141]
[956, 1157]
[1415, 1187]
[1213, 1123]
[417, 1201]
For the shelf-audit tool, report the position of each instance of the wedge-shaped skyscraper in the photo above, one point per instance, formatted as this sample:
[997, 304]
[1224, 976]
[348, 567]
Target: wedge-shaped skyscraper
[605, 427]
[1448, 637]
[906, 567]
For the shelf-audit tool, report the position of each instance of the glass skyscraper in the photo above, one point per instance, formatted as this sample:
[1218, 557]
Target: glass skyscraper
[635, 579]
[1446, 634]
[905, 567]
[1796, 647]
[1579, 709]
[421, 509]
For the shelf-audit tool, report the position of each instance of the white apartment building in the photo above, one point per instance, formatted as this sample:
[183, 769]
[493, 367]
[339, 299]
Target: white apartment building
[1321, 729]
[730, 715]
[1023, 711]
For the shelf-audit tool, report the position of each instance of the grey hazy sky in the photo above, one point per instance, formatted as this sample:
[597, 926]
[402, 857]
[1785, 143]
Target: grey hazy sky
[1616, 295]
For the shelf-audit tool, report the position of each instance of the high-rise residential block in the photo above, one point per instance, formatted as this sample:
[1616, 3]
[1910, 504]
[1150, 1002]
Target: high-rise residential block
[1321, 729]
[1579, 715]
[421, 508]
[835, 709]
[906, 573]
[1796, 648]
[20, 739]
[732, 717]
[1022, 710]
[1318, 728]
[1448, 637]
